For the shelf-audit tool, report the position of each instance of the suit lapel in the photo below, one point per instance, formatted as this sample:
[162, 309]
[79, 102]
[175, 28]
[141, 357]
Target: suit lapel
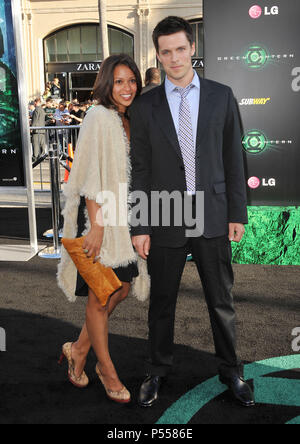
[163, 116]
[205, 109]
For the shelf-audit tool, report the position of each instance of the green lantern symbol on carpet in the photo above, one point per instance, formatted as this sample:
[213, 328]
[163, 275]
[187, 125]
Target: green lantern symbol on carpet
[269, 390]
[256, 57]
[254, 142]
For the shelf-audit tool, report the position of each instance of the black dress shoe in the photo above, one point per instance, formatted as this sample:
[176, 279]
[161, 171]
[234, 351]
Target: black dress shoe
[240, 390]
[149, 391]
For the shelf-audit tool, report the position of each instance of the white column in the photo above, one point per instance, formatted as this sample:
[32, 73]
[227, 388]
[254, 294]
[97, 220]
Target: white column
[143, 13]
[102, 5]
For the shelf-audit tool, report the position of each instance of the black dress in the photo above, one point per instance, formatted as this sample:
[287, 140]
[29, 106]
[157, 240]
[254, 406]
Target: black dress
[125, 274]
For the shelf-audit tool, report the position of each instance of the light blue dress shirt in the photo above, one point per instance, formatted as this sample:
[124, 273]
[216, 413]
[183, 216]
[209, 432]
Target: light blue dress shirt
[174, 100]
[59, 115]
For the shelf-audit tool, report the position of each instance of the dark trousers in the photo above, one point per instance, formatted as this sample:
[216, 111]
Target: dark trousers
[38, 144]
[213, 259]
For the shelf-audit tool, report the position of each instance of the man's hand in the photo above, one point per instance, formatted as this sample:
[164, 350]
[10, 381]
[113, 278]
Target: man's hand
[142, 245]
[236, 232]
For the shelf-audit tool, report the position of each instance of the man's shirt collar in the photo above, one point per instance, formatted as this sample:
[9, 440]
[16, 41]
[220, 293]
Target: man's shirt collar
[170, 87]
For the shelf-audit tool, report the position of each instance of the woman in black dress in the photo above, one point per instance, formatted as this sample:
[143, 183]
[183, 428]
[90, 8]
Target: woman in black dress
[117, 85]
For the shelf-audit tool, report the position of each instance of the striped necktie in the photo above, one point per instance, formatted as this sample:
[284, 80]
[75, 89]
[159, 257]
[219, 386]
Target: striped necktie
[186, 139]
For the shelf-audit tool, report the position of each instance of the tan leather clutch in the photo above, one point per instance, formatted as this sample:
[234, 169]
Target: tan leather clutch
[101, 280]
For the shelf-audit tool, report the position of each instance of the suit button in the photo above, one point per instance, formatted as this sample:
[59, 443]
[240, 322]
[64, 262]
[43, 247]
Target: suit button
[182, 168]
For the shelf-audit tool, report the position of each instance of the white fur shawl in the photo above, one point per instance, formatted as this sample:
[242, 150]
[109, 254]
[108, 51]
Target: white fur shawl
[100, 165]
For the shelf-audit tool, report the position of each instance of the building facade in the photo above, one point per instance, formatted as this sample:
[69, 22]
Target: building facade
[61, 38]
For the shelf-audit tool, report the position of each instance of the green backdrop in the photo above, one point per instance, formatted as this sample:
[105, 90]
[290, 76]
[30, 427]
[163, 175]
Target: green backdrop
[272, 237]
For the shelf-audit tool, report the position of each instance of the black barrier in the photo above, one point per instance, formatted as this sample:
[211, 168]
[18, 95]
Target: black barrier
[254, 48]
[59, 141]
[64, 137]
[54, 252]
[66, 140]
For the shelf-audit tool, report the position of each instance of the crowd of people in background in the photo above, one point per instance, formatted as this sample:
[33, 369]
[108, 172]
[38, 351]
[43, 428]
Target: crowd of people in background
[51, 110]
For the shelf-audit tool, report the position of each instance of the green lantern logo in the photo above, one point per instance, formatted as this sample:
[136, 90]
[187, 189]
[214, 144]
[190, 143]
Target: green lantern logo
[256, 57]
[254, 142]
[270, 389]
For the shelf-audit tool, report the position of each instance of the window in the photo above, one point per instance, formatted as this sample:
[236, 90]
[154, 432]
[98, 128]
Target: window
[199, 38]
[82, 44]
[74, 44]
[119, 43]
[198, 32]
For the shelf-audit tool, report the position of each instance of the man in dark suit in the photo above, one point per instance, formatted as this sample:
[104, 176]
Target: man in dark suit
[38, 136]
[186, 137]
[152, 79]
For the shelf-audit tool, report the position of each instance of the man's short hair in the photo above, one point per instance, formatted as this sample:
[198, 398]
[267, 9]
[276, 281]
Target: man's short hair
[152, 76]
[172, 25]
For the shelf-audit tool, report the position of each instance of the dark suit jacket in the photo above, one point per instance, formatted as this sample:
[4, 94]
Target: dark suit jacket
[149, 87]
[38, 119]
[157, 163]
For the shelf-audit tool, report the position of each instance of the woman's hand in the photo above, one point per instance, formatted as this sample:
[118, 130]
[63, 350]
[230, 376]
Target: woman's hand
[93, 241]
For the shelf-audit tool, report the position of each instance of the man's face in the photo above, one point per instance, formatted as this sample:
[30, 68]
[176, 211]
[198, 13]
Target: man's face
[175, 54]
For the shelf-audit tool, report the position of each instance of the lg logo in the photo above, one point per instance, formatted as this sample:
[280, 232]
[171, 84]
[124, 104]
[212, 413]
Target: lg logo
[272, 11]
[255, 182]
[269, 182]
[2, 340]
[296, 81]
[256, 11]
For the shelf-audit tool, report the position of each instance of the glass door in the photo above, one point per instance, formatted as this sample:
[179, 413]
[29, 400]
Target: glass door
[81, 86]
[63, 81]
